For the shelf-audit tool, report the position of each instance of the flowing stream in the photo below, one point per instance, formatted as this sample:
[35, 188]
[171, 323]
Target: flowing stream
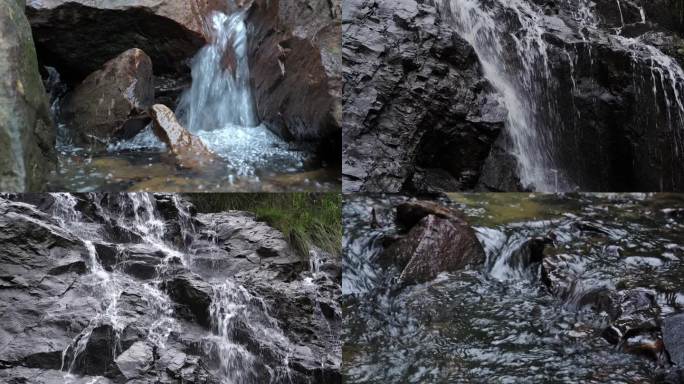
[501, 323]
[237, 317]
[517, 43]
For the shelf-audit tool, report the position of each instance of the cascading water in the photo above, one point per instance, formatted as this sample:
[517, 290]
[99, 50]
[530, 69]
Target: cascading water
[514, 41]
[221, 96]
[135, 302]
[220, 107]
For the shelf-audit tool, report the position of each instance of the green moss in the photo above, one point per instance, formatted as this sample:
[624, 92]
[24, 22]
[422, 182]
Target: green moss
[304, 218]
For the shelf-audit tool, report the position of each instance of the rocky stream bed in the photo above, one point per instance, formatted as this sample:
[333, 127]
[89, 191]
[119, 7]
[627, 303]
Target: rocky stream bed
[509, 288]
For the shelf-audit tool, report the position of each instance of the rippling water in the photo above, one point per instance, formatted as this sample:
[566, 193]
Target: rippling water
[500, 324]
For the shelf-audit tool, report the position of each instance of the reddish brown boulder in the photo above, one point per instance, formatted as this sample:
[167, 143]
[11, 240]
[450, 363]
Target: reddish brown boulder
[189, 150]
[435, 244]
[98, 109]
[296, 70]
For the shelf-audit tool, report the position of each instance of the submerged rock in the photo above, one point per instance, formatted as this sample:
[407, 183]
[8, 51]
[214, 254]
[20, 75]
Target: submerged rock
[296, 70]
[100, 108]
[189, 149]
[27, 134]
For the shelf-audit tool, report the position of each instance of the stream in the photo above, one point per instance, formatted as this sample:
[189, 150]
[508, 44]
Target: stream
[515, 320]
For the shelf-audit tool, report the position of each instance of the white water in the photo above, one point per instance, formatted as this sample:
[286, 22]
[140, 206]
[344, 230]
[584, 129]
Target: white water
[508, 38]
[232, 308]
[221, 94]
[220, 107]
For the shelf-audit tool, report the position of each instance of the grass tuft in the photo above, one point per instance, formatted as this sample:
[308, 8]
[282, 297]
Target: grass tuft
[304, 218]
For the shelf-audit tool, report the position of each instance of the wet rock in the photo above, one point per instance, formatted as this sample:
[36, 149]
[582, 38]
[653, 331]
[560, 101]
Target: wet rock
[97, 358]
[673, 337]
[434, 245]
[136, 360]
[500, 170]
[189, 150]
[296, 70]
[78, 37]
[530, 254]
[101, 107]
[27, 133]
[244, 242]
[414, 97]
[22, 375]
[193, 297]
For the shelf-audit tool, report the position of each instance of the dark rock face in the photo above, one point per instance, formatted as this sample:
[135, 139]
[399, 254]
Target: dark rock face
[414, 97]
[101, 107]
[100, 307]
[295, 64]
[440, 241]
[78, 37]
[27, 136]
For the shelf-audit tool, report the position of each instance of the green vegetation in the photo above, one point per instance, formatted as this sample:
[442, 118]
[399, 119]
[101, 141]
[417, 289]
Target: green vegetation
[304, 218]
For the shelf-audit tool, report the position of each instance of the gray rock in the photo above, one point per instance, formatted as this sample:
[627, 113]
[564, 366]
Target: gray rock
[136, 360]
[414, 97]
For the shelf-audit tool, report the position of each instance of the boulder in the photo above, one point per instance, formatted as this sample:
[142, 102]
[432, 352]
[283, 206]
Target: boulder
[189, 150]
[99, 109]
[296, 70]
[27, 134]
[78, 36]
[434, 245]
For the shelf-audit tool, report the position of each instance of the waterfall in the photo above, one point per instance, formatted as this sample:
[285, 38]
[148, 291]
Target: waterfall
[220, 108]
[220, 96]
[511, 40]
[517, 66]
